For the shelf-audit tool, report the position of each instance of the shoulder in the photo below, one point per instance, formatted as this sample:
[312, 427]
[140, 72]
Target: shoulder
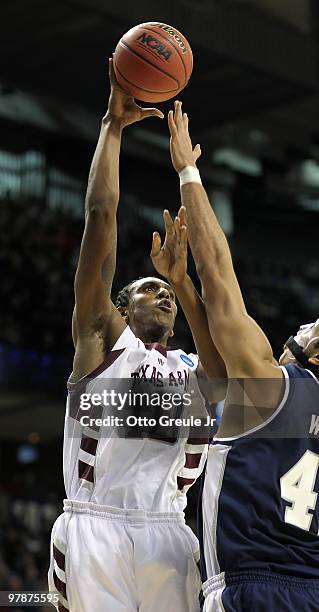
[91, 358]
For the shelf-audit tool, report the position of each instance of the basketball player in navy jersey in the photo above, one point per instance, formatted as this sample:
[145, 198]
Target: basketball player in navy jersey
[121, 544]
[260, 503]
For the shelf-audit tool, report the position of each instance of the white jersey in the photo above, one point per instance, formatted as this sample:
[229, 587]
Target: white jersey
[147, 474]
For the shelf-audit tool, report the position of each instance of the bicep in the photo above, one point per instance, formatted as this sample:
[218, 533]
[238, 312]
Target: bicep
[245, 346]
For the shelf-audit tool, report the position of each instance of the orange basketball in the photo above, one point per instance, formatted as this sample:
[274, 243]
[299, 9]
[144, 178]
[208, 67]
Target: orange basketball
[153, 62]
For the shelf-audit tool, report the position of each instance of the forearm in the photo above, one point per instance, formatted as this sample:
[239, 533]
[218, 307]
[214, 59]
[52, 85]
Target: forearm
[206, 238]
[195, 313]
[103, 183]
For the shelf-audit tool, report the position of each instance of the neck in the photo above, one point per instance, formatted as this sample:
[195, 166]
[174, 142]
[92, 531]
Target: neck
[157, 334]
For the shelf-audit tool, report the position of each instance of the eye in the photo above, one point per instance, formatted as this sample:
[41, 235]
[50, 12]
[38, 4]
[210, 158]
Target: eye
[150, 288]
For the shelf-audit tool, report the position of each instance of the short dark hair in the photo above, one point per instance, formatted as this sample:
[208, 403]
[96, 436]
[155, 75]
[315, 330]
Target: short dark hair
[122, 297]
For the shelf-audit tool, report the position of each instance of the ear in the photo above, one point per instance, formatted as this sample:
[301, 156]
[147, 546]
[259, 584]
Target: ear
[314, 360]
[124, 312]
[171, 334]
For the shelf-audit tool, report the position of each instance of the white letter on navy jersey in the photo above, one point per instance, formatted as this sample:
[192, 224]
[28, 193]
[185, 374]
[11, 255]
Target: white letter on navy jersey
[297, 488]
[314, 427]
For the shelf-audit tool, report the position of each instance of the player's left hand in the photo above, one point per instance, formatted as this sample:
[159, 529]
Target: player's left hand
[123, 107]
[170, 260]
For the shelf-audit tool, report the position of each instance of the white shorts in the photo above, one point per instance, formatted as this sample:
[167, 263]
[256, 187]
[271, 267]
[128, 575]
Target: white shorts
[213, 590]
[106, 559]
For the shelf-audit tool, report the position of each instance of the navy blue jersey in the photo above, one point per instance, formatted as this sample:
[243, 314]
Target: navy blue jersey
[260, 502]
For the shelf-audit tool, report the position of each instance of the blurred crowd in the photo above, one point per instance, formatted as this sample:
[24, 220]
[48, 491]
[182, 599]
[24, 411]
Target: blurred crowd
[30, 501]
[37, 252]
[280, 297]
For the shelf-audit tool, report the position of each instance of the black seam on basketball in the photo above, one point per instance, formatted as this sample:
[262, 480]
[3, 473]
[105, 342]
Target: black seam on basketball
[143, 88]
[150, 63]
[173, 45]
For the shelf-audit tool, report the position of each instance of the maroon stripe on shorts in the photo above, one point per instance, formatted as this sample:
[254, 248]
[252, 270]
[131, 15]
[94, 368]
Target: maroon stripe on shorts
[183, 482]
[197, 441]
[59, 585]
[62, 608]
[89, 444]
[86, 471]
[192, 460]
[59, 557]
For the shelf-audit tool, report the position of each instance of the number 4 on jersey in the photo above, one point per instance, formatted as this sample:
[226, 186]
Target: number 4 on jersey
[297, 487]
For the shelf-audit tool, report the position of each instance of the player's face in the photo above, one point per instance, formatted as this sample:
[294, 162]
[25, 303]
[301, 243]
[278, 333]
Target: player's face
[152, 299]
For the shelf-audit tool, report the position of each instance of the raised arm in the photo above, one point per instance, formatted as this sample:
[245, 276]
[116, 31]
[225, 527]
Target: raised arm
[170, 260]
[96, 322]
[239, 340]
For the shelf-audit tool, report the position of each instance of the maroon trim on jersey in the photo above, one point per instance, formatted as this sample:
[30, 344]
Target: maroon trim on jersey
[192, 460]
[183, 482]
[59, 585]
[158, 347]
[106, 363]
[86, 471]
[62, 608]
[89, 444]
[59, 557]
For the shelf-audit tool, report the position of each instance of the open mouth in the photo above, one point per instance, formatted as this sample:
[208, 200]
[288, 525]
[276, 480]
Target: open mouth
[165, 305]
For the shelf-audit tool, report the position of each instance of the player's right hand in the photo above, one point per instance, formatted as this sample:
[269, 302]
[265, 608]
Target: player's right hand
[182, 152]
[123, 107]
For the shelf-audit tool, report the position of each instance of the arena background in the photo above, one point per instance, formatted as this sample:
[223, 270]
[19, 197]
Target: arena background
[253, 106]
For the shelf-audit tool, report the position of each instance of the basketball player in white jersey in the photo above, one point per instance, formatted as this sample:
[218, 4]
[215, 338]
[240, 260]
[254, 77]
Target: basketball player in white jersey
[122, 544]
[260, 502]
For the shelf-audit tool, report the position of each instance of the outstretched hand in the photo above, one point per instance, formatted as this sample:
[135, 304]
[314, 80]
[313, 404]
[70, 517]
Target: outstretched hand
[170, 260]
[182, 152]
[123, 107]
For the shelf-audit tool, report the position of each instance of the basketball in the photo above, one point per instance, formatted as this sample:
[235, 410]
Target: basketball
[153, 62]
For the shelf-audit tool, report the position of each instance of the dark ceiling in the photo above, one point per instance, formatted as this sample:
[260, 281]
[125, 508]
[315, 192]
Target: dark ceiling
[255, 79]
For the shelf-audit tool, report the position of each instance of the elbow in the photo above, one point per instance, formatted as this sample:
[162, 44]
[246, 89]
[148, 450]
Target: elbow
[102, 203]
[98, 213]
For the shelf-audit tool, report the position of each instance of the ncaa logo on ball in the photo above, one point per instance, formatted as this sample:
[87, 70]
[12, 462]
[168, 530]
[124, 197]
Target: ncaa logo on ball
[172, 33]
[187, 360]
[154, 44]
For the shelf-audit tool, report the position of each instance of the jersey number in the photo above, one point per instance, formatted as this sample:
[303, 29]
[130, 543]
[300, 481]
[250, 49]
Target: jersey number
[297, 487]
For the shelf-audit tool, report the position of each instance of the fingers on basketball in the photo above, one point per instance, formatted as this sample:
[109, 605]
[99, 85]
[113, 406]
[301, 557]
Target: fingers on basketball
[112, 73]
[151, 112]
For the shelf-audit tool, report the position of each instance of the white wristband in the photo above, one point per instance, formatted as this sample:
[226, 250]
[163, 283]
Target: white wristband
[189, 174]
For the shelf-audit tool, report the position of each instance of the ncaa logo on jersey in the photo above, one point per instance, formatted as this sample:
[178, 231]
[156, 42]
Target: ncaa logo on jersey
[187, 360]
